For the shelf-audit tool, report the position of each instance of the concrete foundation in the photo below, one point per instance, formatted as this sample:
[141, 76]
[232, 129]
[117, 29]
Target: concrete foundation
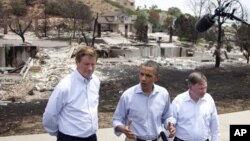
[13, 56]
[135, 52]
[173, 52]
[149, 51]
[163, 51]
[2, 57]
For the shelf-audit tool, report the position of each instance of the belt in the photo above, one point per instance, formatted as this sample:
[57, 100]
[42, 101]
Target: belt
[145, 140]
[178, 139]
[69, 137]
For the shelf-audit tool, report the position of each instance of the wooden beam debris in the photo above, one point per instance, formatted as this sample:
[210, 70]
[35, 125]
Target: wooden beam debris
[71, 51]
[26, 67]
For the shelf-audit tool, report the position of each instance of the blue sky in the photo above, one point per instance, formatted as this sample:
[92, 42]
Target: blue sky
[181, 4]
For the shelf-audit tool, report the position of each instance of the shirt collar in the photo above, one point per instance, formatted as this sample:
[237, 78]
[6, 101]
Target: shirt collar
[81, 78]
[138, 89]
[188, 98]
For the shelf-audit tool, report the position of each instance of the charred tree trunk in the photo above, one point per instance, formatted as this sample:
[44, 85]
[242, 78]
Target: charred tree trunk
[246, 54]
[85, 39]
[145, 34]
[45, 25]
[45, 19]
[99, 29]
[74, 28]
[22, 36]
[5, 27]
[170, 34]
[58, 32]
[18, 30]
[219, 44]
[126, 30]
[95, 25]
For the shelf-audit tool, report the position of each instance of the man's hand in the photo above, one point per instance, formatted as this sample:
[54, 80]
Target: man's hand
[126, 130]
[171, 129]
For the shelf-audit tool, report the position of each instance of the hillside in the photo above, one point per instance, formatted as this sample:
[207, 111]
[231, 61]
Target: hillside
[35, 7]
[99, 6]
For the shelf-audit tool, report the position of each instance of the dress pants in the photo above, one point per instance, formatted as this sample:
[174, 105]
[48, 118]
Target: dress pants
[177, 139]
[64, 137]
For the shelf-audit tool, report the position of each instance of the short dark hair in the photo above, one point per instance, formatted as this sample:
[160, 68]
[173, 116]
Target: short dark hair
[153, 64]
[85, 50]
[196, 78]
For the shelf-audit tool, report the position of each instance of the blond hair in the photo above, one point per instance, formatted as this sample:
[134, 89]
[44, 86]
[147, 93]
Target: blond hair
[85, 51]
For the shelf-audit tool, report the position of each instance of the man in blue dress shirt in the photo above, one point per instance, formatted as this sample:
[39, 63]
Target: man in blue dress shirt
[71, 112]
[144, 109]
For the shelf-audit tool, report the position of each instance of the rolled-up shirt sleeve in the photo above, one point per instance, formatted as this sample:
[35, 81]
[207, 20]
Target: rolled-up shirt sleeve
[120, 115]
[52, 110]
[168, 114]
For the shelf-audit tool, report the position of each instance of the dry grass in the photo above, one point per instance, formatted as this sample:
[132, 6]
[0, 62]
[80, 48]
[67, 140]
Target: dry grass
[99, 6]
[96, 6]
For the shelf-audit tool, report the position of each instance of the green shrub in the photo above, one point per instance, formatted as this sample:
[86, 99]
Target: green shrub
[201, 40]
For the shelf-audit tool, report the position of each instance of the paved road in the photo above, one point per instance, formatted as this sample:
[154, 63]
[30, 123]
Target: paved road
[107, 134]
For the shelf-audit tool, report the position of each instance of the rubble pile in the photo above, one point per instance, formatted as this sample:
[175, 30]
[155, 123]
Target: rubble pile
[50, 67]
[42, 73]
[13, 88]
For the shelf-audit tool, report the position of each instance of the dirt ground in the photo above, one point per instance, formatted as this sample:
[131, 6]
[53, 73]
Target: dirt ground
[229, 86]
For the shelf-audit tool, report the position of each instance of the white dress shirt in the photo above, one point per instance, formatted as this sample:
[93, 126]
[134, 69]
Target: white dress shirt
[195, 121]
[72, 107]
[147, 113]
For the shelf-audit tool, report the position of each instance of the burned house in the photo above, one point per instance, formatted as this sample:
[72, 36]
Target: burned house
[14, 56]
[116, 22]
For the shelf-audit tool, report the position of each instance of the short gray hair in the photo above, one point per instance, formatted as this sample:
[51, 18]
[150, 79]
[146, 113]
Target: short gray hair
[153, 64]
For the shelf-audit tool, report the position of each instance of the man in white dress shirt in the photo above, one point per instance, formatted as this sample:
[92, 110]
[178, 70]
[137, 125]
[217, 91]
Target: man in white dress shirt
[71, 112]
[195, 112]
[144, 110]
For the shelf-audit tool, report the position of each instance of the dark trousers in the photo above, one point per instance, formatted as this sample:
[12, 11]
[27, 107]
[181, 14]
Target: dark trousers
[64, 137]
[144, 140]
[177, 139]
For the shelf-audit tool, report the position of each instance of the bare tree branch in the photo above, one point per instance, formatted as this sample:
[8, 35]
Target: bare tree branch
[18, 30]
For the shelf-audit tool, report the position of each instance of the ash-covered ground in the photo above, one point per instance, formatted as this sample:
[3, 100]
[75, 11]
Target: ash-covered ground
[23, 98]
[229, 85]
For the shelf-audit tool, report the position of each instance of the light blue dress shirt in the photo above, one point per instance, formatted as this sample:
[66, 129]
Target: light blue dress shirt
[72, 107]
[195, 121]
[147, 113]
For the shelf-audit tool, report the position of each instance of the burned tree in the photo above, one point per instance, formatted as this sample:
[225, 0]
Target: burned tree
[81, 14]
[93, 35]
[3, 17]
[242, 39]
[224, 10]
[16, 25]
[20, 28]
